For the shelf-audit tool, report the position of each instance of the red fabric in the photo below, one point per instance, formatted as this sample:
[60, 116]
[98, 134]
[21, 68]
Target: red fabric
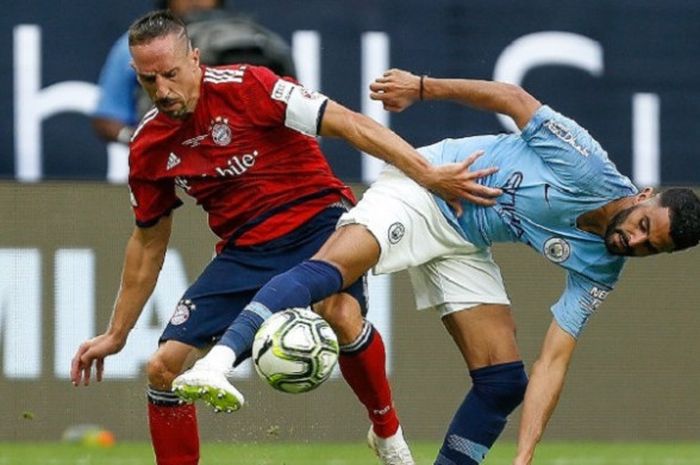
[233, 155]
[365, 373]
[174, 434]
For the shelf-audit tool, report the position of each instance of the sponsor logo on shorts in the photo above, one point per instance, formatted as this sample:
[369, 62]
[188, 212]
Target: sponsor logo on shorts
[396, 232]
[557, 249]
[182, 312]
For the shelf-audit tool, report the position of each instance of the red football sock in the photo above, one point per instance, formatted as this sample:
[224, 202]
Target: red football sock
[174, 434]
[364, 370]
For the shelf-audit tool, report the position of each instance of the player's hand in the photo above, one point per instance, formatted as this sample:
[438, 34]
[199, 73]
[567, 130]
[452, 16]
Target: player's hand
[454, 182]
[396, 89]
[93, 351]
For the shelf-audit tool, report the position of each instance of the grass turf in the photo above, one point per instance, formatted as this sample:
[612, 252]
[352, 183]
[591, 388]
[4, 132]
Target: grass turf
[584, 453]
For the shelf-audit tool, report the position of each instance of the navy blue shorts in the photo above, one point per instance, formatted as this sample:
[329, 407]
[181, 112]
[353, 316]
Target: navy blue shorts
[231, 280]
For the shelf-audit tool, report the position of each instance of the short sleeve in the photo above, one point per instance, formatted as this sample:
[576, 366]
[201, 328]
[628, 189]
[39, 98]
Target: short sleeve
[118, 86]
[281, 101]
[151, 200]
[566, 147]
[580, 300]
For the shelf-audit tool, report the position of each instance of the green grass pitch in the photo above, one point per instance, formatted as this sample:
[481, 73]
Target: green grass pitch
[584, 453]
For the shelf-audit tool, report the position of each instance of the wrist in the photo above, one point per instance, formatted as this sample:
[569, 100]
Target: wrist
[124, 135]
[118, 333]
[421, 87]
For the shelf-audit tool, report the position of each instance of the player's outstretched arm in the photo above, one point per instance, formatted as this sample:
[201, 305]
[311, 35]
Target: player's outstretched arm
[398, 89]
[144, 255]
[543, 390]
[452, 181]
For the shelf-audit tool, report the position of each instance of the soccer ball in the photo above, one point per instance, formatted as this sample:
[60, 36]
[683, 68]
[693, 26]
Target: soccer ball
[295, 350]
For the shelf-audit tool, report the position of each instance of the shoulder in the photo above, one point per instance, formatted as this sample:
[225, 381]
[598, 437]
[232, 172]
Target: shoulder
[227, 81]
[147, 137]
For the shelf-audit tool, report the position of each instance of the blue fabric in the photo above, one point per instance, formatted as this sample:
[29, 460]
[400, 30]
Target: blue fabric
[118, 85]
[550, 174]
[306, 283]
[232, 279]
[497, 390]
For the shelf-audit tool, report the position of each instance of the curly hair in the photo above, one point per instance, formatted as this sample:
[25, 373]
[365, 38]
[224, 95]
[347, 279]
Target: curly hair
[684, 207]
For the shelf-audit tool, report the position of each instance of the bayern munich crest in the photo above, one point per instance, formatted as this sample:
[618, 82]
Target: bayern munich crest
[557, 249]
[182, 312]
[220, 131]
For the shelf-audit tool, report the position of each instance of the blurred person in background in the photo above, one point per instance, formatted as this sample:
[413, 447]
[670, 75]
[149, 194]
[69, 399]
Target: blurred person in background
[222, 38]
[241, 141]
[562, 196]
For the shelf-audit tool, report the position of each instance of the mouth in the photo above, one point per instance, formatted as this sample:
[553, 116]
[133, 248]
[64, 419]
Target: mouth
[167, 104]
[622, 243]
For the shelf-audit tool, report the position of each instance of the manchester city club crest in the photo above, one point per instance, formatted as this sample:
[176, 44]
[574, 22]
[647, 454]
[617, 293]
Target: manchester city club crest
[557, 249]
[396, 232]
[220, 131]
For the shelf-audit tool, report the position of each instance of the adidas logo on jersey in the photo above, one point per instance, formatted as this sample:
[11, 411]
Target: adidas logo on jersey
[173, 161]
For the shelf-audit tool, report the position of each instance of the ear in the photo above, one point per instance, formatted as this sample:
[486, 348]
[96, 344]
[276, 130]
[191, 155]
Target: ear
[646, 194]
[195, 56]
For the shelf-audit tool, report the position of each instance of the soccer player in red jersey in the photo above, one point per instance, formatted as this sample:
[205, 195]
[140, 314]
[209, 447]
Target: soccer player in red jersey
[240, 140]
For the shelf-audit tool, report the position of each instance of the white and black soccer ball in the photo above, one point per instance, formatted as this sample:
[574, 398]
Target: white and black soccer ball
[295, 350]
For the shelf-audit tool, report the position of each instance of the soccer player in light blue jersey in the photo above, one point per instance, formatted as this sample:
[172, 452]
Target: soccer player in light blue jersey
[562, 196]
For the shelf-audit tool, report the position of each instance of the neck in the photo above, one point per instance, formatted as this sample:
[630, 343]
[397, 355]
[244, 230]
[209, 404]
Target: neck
[596, 221]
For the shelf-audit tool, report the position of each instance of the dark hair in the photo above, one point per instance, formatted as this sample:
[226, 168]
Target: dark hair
[684, 207]
[164, 4]
[155, 24]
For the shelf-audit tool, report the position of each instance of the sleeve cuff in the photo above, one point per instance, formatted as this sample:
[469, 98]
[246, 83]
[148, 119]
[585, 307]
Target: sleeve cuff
[153, 221]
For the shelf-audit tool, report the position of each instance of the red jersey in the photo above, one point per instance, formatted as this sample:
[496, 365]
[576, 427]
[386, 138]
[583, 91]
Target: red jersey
[238, 156]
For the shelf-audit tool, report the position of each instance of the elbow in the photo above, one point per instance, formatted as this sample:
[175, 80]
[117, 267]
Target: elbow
[519, 104]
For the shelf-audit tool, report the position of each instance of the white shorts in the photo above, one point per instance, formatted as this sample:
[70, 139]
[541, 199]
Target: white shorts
[447, 272]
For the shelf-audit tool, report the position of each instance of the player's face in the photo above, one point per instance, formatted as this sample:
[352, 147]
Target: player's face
[168, 70]
[641, 230]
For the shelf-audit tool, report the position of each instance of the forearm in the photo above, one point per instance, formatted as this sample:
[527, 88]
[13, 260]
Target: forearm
[139, 276]
[498, 97]
[542, 395]
[111, 130]
[374, 139]
[543, 390]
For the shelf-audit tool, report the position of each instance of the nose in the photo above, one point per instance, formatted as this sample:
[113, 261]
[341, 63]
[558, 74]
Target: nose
[637, 238]
[162, 90]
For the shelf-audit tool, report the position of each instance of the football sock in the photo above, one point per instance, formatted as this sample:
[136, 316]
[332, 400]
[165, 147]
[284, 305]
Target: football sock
[497, 390]
[362, 363]
[173, 426]
[306, 283]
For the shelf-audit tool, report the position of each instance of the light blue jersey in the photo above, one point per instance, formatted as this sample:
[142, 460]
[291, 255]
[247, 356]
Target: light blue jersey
[119, 89]
[550, 174]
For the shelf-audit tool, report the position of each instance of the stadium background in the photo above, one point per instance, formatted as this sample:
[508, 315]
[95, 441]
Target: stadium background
[635, 375]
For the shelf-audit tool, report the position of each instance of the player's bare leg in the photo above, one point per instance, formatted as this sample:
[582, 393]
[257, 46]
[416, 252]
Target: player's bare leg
[353, 251]
[207, 379]
[485, 335]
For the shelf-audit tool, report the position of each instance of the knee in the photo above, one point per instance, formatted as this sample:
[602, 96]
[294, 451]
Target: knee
[160, 374]
[502, 386]
[346, 320]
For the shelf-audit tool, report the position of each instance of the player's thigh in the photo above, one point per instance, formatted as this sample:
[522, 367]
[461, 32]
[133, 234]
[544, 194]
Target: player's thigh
[484, 334]
[171, 358]
[352, 249]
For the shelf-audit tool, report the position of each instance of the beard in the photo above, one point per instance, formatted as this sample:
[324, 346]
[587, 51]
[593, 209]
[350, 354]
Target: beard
[613, 230]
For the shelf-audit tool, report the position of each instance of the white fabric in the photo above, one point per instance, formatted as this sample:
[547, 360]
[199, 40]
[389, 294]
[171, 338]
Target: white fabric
[447, 272]
[303, 106]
